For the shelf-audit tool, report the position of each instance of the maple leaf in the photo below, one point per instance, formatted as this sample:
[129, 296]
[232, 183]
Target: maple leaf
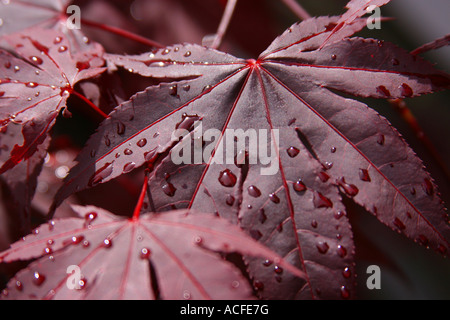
[169, 256]
[329, 145]
[20, 183]
[35, 84]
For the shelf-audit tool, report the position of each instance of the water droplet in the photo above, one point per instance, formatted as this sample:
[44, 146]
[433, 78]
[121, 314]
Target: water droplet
[267, 263]
[165, 51]
[412, 190]
[314, 224]
[76, 239]
[90, 216]
[399, 224]
[299, 186]
[350, 189]
[145, 254]
[107, 141]
[382, 90]
[280, 227]
[293, 152]
[107, 243]
[254, 191]
[48, 250]
[364, 175]
[322, 247]
[187, 54]
[262, 216]
[423, 240]
[229, 200]
[86, 244]
[333, 57]
[83, 65]
[19, 285]
[345, 293]
[128, 152]
[7, 65]
[258, 285]
[58, 40]
[62, 49]
[169, 189]
[38, 278]
[82, 283]
[328, 165]
[187, 121]
[129, 167]
[227, 178]
[333, 150]
[427, 186]
[320, 201]
[274, 198]
[255, 234]
[380, 43]
[187, 88]
[16, 68]
[406, 90]
[198, 240]
[36, 60]
[341, 251]
[380, 139]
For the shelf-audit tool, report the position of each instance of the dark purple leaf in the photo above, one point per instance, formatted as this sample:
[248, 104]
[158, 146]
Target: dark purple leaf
[35, 83]
[124, 254]
[327, 145]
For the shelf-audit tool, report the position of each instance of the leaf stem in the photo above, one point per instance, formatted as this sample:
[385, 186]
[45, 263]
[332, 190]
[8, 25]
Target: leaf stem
[138, 208]
[224, 23]
[123, 33]
[297, 9]
[401, 107]
[93, 106]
